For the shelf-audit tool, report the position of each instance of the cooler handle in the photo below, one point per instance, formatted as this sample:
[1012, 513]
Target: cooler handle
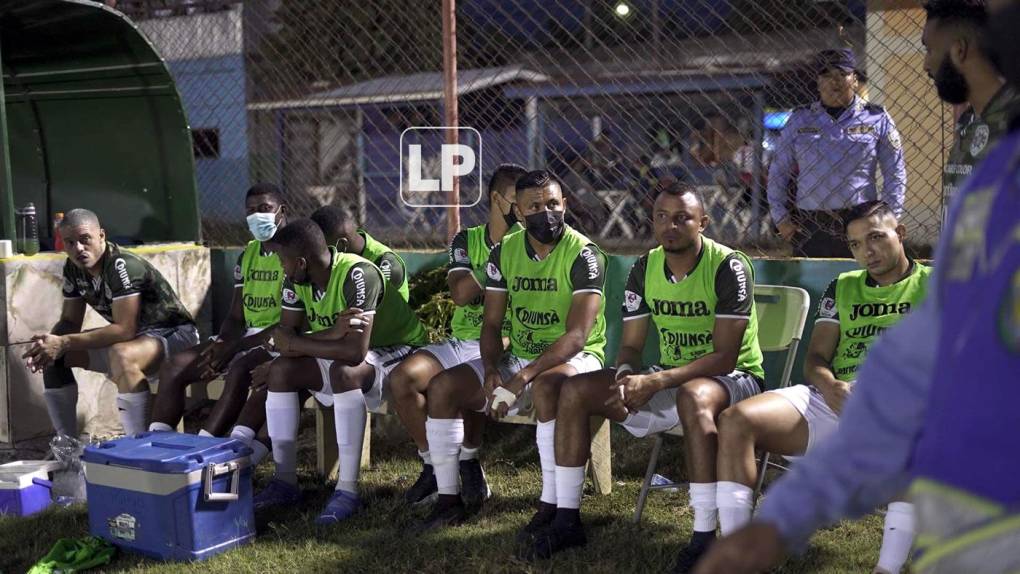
[42, 482]
[212, 471]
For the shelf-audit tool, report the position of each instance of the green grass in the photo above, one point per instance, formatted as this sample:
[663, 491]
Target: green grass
[376, 541]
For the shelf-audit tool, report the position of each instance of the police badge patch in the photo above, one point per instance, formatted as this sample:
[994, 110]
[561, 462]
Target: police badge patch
[980, 140]
[894, 139]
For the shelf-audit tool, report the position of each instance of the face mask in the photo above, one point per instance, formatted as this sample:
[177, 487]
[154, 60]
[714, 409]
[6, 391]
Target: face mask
[545, 226]
[509, 217]
[950, 84]
[1001, 29]
[262, 225]
[341, 245]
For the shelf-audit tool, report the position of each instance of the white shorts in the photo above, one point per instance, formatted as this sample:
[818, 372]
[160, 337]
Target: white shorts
[821, 420]
[512, 364]
[453, 352]
[384, 359]
[660, 413]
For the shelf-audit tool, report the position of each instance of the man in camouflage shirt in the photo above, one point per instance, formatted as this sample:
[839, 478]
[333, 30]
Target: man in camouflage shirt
[148, 323]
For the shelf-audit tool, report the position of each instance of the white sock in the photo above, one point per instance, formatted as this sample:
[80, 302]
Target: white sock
[545, 437]
[204, 432]
[247, 436]
[160, 427]
[445, 438]
[735, 502]
[350, 415]
[703, 495]
[898, 536]
[134, 411]
[62, 405]
[282, 414]
[569, 486]
[426, 456]
[468, 453]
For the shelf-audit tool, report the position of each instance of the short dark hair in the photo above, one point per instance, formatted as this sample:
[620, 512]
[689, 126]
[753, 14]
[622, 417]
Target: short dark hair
[302, 236]
[867, 209]
[270, 189]
[506, 175]
[973, 12]
[78, 217]
[537, 178]
[676, 188]
[331, 219]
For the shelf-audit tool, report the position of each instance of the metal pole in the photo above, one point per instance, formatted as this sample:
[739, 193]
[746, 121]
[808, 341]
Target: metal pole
[531, 121]
[6, 186]
[450, 108]
[759, 138]
[656, 33]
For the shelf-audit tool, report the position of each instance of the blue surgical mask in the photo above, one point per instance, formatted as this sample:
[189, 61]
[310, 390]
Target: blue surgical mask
[262, 225]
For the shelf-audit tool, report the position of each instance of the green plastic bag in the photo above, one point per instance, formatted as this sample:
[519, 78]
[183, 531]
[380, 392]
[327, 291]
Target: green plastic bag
[74, 555]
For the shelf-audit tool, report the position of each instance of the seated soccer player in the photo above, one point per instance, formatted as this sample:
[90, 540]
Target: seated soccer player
[552, 277]
[699, 296]
[342, 363]
[340, 226]
[856, 307]
[468, 254]
[254, 311]
[148, 324]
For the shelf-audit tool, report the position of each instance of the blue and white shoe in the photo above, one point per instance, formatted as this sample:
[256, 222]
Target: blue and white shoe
[277, 493]
[341, 506]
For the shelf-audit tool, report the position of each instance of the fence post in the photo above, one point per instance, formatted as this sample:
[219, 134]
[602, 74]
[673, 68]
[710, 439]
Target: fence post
[450, 108]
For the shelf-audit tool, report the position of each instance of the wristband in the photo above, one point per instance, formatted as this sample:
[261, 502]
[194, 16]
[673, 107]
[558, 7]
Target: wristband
[624, 368]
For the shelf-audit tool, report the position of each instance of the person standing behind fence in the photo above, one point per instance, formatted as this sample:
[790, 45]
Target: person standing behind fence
[958, 61]
[835, 143]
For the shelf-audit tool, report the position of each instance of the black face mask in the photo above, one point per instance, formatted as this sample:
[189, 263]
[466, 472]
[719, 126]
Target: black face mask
[509, 217]
[545, 226]
[950, 84]
[1001, 30]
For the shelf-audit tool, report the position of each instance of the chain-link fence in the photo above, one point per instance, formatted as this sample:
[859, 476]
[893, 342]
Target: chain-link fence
[611, 95]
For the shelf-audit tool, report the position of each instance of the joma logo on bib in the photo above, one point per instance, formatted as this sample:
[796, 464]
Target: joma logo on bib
[323, 320]
[680, 308]
[534, 284]
[878, 310]
[263, 275]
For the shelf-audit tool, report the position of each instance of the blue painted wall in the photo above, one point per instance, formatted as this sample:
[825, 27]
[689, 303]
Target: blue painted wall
[214, 96]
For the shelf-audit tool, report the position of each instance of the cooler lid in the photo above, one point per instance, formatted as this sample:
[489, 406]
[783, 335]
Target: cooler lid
[20, 474]
[166, 452]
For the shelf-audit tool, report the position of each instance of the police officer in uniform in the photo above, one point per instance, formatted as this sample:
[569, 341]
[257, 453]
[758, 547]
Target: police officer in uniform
[958, 62]
[835, 145]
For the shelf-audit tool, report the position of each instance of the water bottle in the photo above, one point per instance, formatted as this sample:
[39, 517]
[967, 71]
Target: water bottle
[28, 231]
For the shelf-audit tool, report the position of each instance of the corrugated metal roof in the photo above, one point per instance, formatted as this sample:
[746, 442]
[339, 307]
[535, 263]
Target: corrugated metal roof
[422, 86]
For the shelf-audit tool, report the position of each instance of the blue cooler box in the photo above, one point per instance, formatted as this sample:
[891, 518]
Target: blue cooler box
[171, 496]
[25, 486]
